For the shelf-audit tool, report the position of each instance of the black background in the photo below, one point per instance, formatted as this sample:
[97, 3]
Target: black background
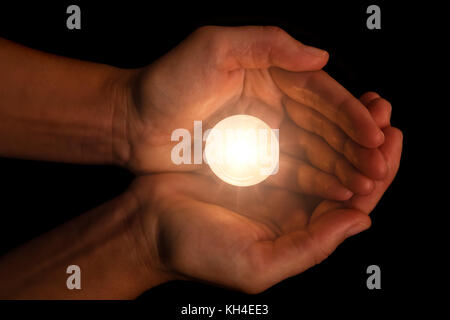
[37, 196]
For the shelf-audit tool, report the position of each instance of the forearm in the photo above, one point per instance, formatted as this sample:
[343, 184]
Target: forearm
[60, 109]
[104, 243]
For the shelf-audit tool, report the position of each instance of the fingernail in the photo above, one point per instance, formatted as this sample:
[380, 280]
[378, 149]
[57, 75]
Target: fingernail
[378, 140]
[347, 194]
[382, 136]
[314, 51]
[355, 229]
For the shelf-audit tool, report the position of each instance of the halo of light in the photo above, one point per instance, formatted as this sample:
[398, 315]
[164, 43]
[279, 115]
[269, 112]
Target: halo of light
[242, 150]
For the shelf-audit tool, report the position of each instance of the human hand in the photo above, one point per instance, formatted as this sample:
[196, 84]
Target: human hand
[334, 164]
[217, 72]
[198, 227]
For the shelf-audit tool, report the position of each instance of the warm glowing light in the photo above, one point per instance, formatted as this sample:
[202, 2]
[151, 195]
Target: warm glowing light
[242, 150]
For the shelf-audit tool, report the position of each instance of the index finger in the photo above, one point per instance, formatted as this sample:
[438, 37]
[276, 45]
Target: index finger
[319, 91]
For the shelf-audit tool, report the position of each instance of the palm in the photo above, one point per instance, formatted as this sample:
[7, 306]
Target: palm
[247, 91]
[216, 95]
[208, 240]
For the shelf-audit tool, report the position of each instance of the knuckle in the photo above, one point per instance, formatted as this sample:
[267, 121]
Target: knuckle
[205, 31]
[346, 145]
[315, 78]
[212, 42]
[209, 35]
[212, 34]
[326, 185]
[274, 30]
[336, 162]
[334, 136]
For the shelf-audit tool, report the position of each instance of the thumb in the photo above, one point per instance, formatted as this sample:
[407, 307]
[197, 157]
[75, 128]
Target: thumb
[266, 46]
[293, 253]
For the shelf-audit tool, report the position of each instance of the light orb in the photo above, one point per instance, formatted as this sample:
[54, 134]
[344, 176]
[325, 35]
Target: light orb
[242, 150]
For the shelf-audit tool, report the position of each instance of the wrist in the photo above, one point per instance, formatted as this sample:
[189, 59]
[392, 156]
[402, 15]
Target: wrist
[122, 85]
[141, 240]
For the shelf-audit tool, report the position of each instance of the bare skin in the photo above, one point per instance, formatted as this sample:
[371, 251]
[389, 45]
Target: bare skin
[338, 156]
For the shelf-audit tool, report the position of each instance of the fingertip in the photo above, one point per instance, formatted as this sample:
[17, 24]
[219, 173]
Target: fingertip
[366, 131]
[395, 139]
[343, 223]
[331, 188]
[324, 59]
[347, 194]
[379, 170]
[362, 223]
[376, 139]
[368, 96]
[373, 164]
[354, 217]
[379, 140]
[317, 52]
[340, 193]
[380, 110]
[358, 227]
[363, 185]
[397, 132]
[309, 59]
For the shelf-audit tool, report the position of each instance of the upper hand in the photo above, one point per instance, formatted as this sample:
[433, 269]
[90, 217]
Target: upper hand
[218, 71]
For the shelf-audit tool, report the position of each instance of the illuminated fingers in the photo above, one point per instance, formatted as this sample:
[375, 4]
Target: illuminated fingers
[369, 161]
[312, 147]
[299, 176]
[318, 91]
[381, 110]
[391, 150]
[367, 97]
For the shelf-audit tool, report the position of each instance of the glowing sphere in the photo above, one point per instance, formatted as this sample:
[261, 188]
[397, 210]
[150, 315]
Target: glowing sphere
[242, 150]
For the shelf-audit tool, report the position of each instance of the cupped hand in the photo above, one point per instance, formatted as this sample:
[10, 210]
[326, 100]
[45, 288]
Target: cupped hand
[338, 156]
[328, 138]
[249, 238]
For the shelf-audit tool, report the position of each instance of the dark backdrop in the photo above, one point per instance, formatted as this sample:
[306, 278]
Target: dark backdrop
[37, 196]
